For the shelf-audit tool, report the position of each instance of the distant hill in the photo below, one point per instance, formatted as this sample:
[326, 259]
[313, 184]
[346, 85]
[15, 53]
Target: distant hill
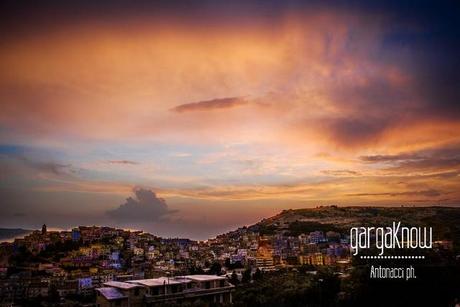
[445, 221]
[11, 233]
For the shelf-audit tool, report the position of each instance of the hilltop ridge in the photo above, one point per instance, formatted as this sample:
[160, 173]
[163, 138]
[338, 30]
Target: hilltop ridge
[444, 220]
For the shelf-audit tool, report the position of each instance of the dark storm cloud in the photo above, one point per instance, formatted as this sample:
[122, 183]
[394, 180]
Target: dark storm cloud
[423, 41]
[432, 36]
[208, 105]
[145, 206]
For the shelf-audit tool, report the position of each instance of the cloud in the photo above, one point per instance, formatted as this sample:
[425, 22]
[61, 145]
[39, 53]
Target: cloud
[388, 158]
[209, 105]
[426, 193]
[123, 162]
[356, 83]
[364, 89]
[428, 164]
[438, 159]
[145, 206]
[358, 131]
[341, 173]
[35, 164]
[48, 166]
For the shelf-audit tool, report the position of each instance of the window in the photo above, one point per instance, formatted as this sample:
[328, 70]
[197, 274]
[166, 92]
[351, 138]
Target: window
[136, 291]
[117, 303]
[222, 283]
[207, 285]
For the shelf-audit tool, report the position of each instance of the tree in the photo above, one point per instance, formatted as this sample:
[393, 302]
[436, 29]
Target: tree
[246, 276]
[216, 268]
[195, 270]
[234, 279]
[257, 274]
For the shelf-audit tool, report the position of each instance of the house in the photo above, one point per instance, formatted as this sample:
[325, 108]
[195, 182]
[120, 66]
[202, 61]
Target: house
[205, 289]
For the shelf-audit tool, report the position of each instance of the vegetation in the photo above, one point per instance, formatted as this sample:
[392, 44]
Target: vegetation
[434, 286]
[289, 288]
[297, 228]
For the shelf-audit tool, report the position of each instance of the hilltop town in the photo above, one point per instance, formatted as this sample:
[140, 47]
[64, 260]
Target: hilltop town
[90, 264]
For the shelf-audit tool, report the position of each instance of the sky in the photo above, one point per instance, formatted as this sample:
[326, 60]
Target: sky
[191, 118]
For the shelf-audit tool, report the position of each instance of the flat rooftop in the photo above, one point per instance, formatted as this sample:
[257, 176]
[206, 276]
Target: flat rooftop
[121, 285]
[161, 281]
[204, 277]
[154, 282]
[111, 293]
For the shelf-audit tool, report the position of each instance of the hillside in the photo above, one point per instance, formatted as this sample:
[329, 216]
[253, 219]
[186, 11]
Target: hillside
[445, 221]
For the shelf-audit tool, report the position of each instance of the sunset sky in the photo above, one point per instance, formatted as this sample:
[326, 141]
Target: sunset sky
[214, 114]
